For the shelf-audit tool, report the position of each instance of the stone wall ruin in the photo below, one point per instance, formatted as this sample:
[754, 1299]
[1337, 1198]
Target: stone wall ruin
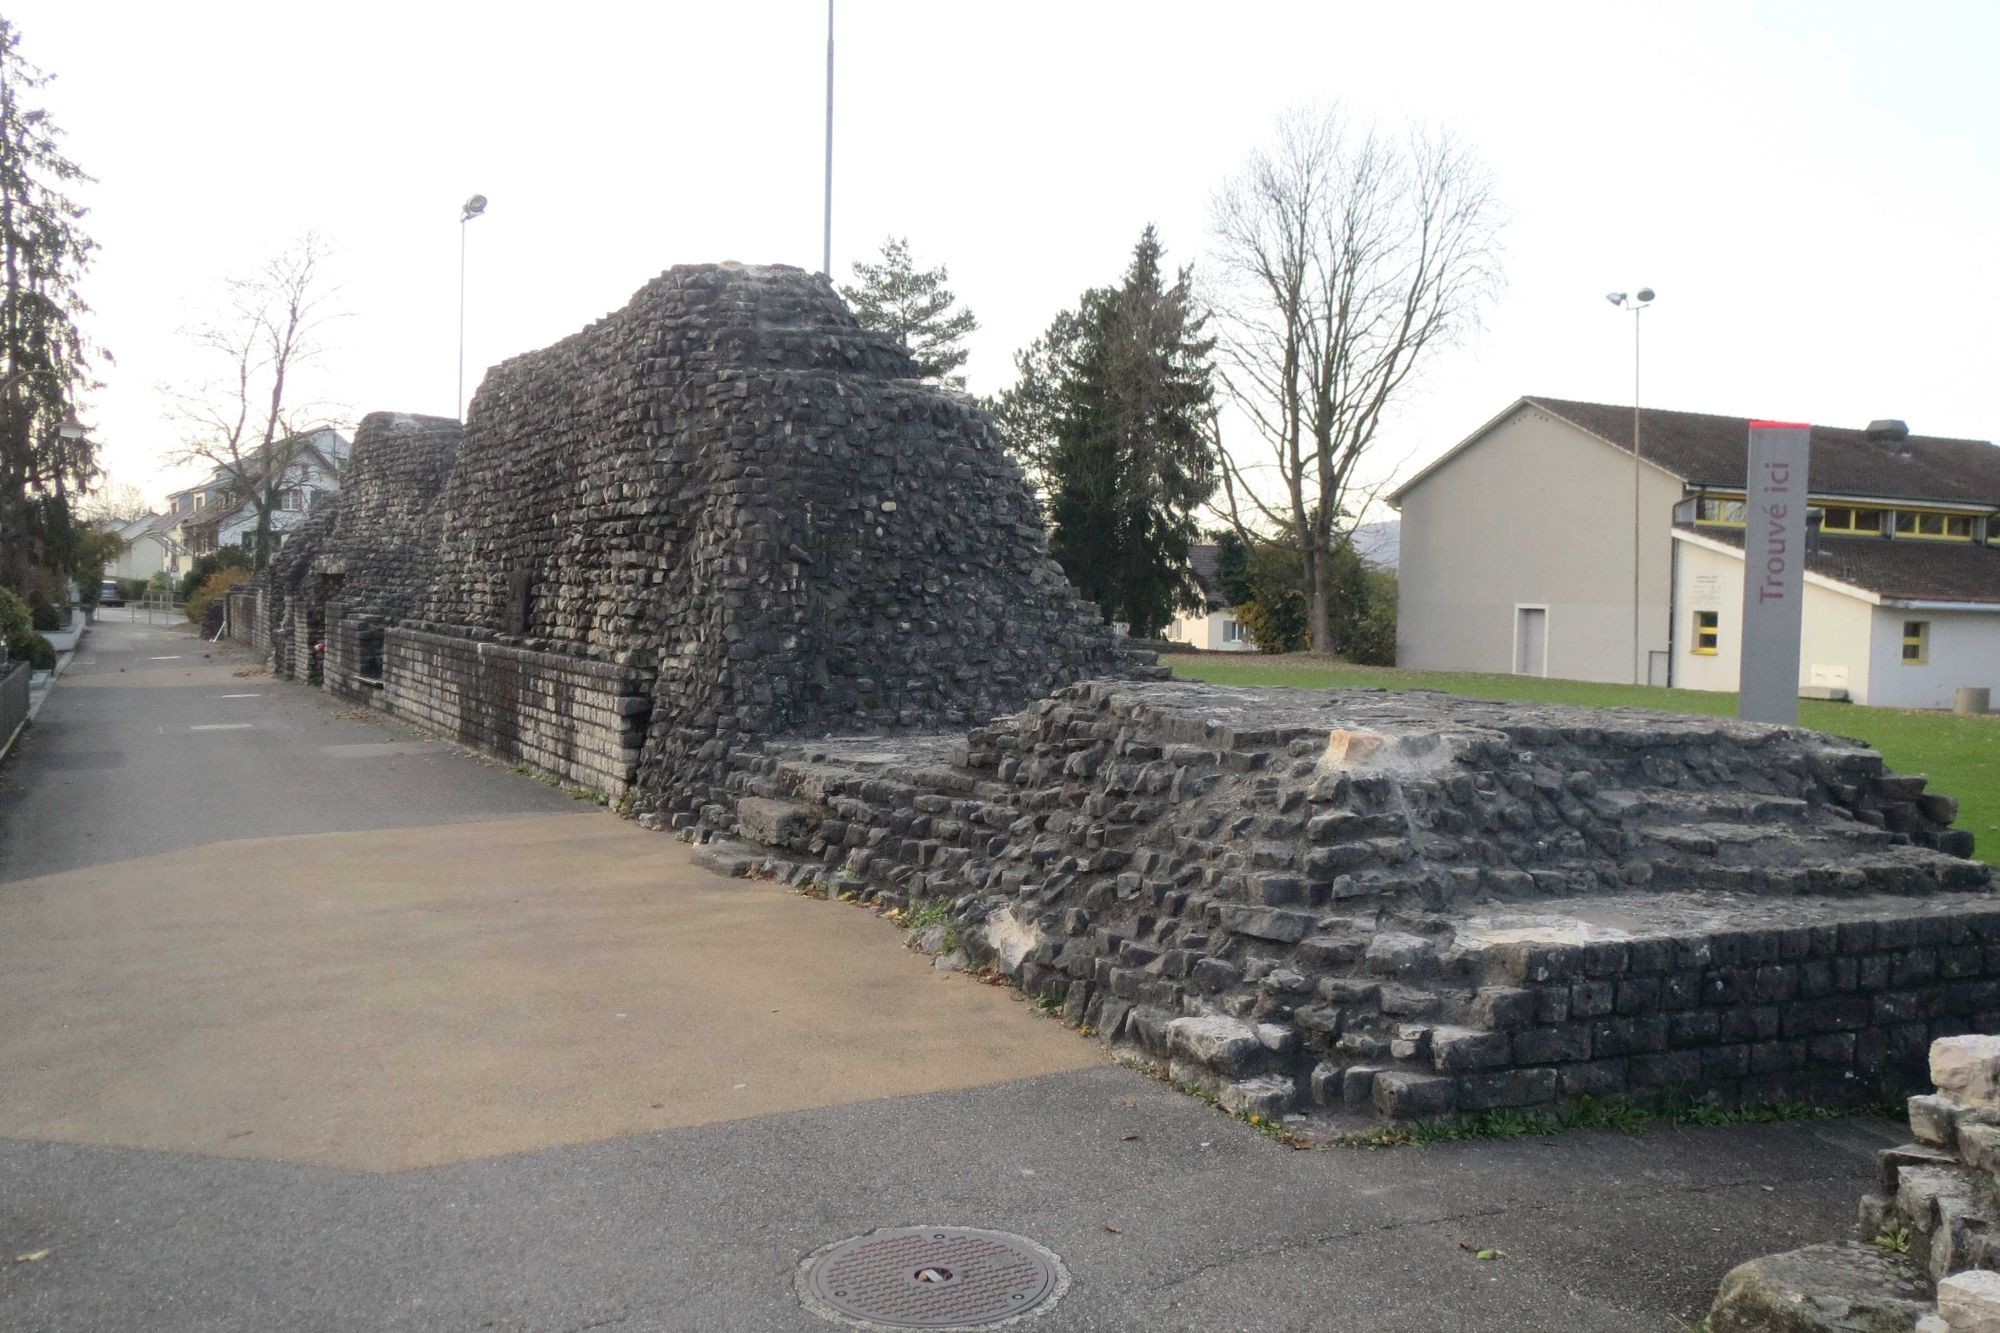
[723, 557]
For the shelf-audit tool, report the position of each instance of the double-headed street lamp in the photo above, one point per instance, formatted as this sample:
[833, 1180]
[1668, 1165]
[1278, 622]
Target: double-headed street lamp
[1635, 303]
[469, 210]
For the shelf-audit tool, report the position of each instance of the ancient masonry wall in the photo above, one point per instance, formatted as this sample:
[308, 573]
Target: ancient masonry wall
[726, 491]
[579, 720]
[1418, 905]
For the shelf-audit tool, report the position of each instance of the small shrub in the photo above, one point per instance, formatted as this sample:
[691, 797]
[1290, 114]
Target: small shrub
[46, 619]
[133, 589]
[15, 619]
[33, 649]
[217, 585]
[206, 566]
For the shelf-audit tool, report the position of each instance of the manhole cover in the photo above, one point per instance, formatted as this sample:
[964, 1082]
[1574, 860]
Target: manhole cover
[931, 1277]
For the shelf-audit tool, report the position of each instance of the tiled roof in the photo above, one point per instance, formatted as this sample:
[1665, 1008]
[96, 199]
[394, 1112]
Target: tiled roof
[1901, 569]
[1205, 560]
[1709, 451]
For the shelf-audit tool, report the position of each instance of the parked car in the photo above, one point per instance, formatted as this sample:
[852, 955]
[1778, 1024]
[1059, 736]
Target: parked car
[108, 594]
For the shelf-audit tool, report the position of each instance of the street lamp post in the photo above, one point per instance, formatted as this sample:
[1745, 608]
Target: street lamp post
[471, 209]
[1635, 303]
[826, 229]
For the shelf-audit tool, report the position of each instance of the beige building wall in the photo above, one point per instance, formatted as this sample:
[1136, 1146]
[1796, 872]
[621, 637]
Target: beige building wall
[1834, 635]
[1210, 631]
[1536, 513]
[1964, 649]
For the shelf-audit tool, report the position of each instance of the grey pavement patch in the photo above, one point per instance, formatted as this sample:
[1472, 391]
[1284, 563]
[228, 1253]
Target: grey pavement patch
[239, 696]
[380, 749]
[1170, 1217]
[69, 761]
[222, 726]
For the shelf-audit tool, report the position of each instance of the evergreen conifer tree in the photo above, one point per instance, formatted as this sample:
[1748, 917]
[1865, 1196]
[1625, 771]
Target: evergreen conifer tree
[1111, 415]
[895, 296]
[43, 250]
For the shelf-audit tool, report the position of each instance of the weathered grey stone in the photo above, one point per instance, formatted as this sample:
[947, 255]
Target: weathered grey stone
[1845, 1287]
[727, 858]
[1967, 1069]
[1227, 1045]
[1402, 1096]
[1268, 1096]
[1969, 1302]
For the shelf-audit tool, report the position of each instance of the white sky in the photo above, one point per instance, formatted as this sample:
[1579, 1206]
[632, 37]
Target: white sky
[1811, 187]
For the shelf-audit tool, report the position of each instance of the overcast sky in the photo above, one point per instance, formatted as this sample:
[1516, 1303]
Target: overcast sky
[1811, 187]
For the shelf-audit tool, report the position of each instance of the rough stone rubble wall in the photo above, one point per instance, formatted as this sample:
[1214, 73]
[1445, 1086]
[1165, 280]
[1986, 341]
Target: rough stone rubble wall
[727, 491]
[1420, 905]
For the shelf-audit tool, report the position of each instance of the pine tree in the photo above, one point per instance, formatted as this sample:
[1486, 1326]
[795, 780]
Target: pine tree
[43, 251]
[1111, 415]
[895, 297]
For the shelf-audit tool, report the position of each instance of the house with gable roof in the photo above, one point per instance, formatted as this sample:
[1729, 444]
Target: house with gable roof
[1517, 554]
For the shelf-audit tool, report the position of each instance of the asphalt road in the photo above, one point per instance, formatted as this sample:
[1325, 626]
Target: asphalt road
[307, 1023]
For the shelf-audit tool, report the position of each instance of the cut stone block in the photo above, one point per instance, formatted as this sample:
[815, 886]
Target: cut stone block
[1848, 1287]
[1967, 1069]
[1970, 1302]
[1228, 1046]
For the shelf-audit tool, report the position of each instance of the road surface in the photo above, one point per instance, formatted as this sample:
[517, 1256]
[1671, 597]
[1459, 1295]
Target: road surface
[309, 1023]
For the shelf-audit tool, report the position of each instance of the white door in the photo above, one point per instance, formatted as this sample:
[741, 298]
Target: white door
[1531, 641]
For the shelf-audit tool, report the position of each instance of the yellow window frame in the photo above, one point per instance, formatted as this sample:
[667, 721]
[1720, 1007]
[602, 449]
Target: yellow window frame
[1720, 501]
[1917, 636]
[1707, 633]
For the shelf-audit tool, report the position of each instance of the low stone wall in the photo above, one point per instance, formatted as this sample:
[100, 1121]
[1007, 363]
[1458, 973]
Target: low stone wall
[248, 622]
[13, 699]
[352, 666]
[1423, 905]
[579, 720]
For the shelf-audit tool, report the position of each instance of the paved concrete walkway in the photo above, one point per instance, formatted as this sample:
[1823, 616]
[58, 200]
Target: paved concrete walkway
[309, 1023]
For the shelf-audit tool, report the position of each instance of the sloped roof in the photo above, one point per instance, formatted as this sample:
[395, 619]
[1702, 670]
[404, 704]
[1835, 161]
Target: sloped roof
[1205, 560]
[1709, 451]
[1900, 569]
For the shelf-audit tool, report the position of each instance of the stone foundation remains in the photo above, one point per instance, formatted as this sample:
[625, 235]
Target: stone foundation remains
[1925, 1248]
[1416, 904]
[670, 557]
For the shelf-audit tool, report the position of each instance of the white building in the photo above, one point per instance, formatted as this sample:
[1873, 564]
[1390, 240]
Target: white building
[218, 513]
[146, 550]
[1517, 555]
[1215, 627]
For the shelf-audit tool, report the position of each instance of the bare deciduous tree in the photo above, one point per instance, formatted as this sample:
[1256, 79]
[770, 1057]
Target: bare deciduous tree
[114, 502]
[246, 423]
[1347, 256]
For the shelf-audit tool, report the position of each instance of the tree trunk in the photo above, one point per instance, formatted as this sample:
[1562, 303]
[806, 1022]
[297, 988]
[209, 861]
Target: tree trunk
[1320, 579]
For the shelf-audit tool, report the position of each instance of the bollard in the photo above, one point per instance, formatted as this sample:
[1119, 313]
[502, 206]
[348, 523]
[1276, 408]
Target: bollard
[1969, 700]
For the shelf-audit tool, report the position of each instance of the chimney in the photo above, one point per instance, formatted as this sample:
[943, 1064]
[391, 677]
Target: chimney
[1890, 434]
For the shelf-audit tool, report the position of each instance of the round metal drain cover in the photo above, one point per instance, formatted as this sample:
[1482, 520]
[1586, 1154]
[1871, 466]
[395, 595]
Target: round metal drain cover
[931, 1277]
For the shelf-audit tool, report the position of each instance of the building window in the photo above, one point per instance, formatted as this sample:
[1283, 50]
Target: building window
[291, 500]
[1846, 518]
[1916, 642]
[1232, 631]
[1707, 632]
[1711, 510]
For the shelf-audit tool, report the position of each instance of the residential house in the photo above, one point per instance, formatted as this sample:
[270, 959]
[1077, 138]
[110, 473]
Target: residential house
[1517, 554]
[146, 550]
[1215, 627]
[222, 513]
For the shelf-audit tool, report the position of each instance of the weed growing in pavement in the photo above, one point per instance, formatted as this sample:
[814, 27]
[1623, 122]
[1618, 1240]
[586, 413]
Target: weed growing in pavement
[933, 912]
[1895, 1240]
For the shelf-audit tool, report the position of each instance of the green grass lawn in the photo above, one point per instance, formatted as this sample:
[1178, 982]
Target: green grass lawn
[1961, 755]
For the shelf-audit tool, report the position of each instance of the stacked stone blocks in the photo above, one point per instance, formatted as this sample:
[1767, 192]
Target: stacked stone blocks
[1387, 902]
